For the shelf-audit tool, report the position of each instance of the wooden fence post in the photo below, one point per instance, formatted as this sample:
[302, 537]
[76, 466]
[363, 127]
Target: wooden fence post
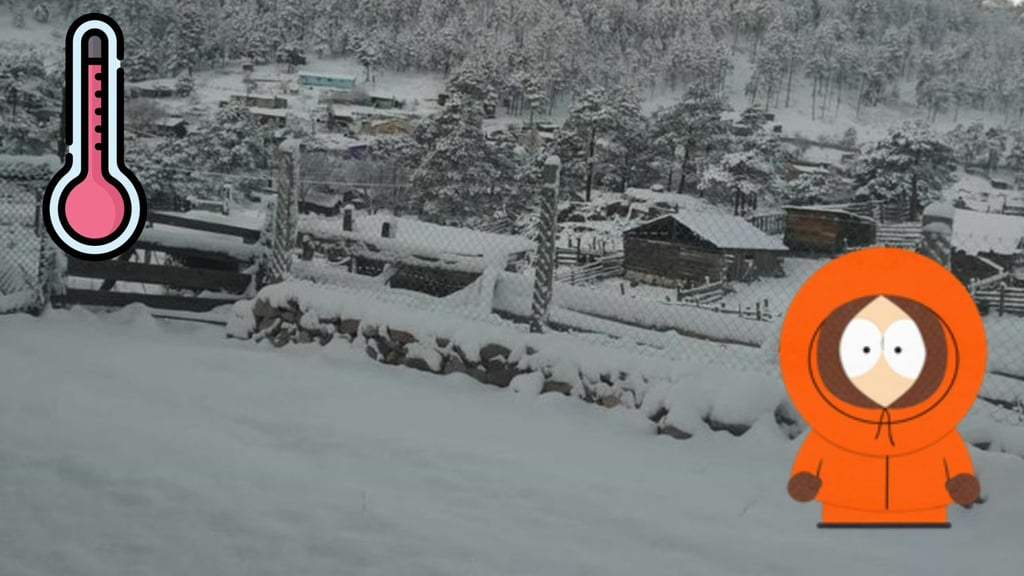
[285, 217]
[1002, 297]
[546, 255]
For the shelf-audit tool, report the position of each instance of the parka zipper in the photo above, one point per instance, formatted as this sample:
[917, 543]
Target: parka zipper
[886, 482]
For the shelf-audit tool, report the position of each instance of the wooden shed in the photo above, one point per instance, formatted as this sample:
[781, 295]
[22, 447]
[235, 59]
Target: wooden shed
[692, 248]
[826, 229]
[257, 101]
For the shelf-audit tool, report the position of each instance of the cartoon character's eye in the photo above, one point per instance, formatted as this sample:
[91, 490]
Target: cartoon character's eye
[860, 347]
[904, 348]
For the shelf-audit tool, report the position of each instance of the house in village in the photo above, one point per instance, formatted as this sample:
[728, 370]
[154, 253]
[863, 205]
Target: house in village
[692, 248]
[170, 127]
[272, 117]
[257, 101]
[318, 80]
[385, 102]
[826, 229]
[387, 126]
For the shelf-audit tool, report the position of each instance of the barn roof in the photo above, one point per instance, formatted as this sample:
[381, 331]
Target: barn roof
[975, 232]
[725, 231]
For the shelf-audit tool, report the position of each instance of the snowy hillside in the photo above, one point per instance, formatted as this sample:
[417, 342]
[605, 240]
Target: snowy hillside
[191, 454]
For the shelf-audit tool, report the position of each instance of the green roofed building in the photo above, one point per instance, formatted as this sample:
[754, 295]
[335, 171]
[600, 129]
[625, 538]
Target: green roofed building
[315, 80]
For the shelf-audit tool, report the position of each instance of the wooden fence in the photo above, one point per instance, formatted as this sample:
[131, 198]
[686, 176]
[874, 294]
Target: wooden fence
[757, 311]
[599, 269]
[706, 294]
[201, 269]
[902, 235]
[1003, 299]
[771, 224]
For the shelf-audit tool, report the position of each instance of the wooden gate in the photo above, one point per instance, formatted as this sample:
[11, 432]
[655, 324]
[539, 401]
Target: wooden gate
[180, 263]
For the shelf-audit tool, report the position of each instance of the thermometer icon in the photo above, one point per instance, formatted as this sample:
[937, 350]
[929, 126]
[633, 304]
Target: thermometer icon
[94, 207]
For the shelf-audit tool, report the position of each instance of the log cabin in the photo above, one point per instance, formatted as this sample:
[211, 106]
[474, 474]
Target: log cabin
[826, 229]
[693, 248]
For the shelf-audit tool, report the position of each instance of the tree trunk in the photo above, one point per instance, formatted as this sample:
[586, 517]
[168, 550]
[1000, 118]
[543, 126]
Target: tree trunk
[789, 83]
[682, 170]
[590, 162]
[814, 99]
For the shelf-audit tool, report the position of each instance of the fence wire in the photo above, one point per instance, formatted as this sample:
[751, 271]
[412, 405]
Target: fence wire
[26, 254]
[658, 275]
[654, 276]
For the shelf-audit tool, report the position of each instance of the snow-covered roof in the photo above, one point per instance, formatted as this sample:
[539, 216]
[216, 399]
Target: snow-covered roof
[728, 231]
[275, 112]
[417, 238]
[357, 111]
[725, 231]
[330, 141]
[684, 202]
[975, 232]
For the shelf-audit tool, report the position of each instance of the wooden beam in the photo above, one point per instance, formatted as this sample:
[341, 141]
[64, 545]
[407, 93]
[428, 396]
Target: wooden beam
[162, 301]
[248, 235]
[178, 276]
[143, 244]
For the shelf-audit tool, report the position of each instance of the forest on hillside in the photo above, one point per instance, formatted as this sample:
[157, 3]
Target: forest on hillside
[942, 54]
[599, 59]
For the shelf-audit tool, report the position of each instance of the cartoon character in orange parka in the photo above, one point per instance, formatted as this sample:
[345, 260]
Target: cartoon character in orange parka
[883, 352]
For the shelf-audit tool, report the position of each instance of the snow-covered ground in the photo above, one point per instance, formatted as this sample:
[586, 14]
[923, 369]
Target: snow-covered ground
[135, 447]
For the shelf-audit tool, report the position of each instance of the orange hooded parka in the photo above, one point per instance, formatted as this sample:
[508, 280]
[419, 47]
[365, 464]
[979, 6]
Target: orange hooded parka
[883, 466]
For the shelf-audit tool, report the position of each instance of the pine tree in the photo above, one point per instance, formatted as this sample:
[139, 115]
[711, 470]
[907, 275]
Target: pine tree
[460, 177]
[690, 131]
[188, 37]
[749, 176]
[911, 164]
[603, 137]
[30, 101]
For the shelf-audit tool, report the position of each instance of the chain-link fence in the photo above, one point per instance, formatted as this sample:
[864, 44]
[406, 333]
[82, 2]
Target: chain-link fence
[27, 257]
[660, 275]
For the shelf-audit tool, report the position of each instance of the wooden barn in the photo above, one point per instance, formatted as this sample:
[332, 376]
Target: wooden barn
[691, 248]
[257, 101]
[826, 229]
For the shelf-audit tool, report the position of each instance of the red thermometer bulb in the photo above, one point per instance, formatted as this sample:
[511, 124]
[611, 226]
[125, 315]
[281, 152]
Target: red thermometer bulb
[95, 207]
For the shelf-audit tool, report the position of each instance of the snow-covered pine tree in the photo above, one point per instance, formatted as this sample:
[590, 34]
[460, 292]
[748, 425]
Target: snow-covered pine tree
[749, 176]
[31, 94]
[911, 164]
[603, 136]
[189, 34]
[459, 177]
[690, 131]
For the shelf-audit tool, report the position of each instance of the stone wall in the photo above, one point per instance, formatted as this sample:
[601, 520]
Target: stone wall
[492, 363]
